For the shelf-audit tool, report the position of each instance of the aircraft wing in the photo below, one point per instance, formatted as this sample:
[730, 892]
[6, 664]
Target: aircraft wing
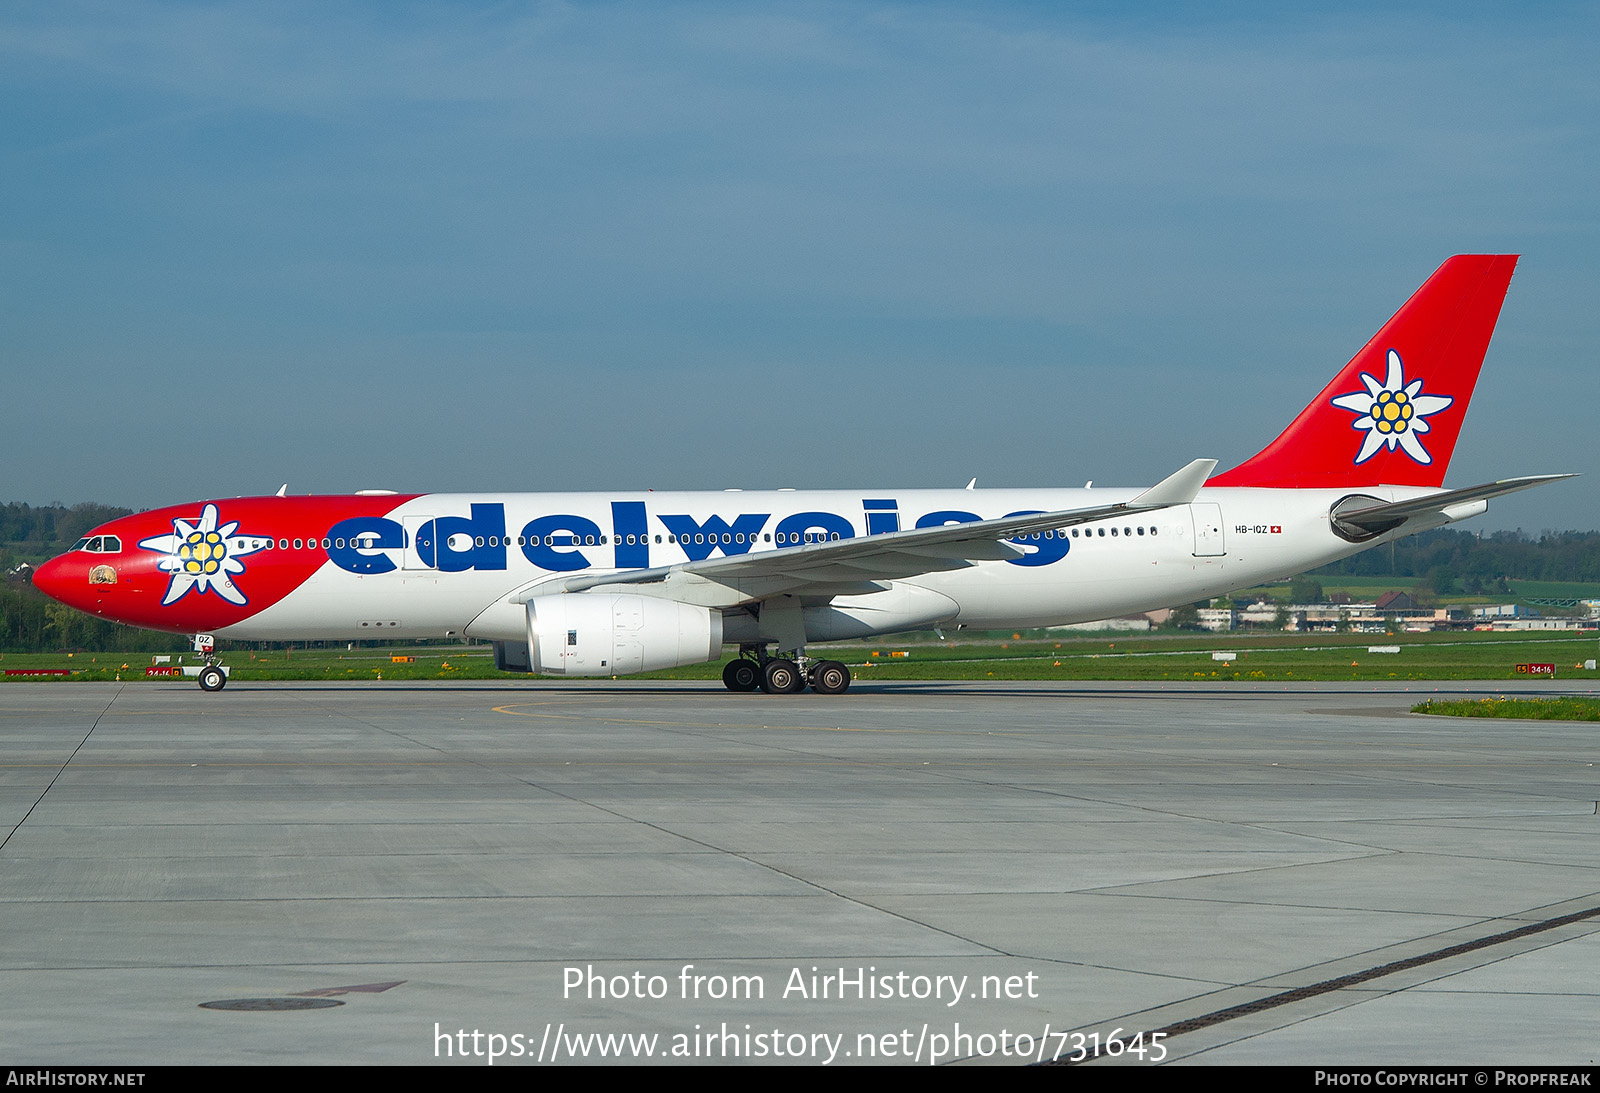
[860, 565]
[1364, 517]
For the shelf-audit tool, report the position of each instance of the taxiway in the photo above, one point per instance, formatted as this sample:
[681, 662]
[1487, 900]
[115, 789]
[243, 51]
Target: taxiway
[1096, 857]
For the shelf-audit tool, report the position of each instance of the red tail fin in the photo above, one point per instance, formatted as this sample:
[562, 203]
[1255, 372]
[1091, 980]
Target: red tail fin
[1392, 415]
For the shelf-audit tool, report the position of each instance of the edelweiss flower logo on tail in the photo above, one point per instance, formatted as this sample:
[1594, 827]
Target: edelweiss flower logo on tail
[1394, 413]
[202, 556]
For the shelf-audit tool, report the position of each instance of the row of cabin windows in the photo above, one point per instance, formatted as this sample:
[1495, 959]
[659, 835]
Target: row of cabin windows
[111, 544]
[1087, 533]
[1129, 533]
[784, 538]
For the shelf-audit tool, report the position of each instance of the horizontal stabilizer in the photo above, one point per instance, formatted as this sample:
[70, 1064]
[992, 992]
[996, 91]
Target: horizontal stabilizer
[1363, 517]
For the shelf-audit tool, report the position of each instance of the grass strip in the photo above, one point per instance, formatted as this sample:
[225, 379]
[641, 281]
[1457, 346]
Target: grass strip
[1532, 709]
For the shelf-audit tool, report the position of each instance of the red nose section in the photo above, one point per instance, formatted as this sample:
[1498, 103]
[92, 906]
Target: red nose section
[110, 584]
[65, 579]
[203, 567]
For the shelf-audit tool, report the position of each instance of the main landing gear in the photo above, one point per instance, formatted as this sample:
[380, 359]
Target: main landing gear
[755, 670]
[742, 675]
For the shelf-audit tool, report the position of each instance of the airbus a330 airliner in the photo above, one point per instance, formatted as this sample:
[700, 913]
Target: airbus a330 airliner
[606, 584]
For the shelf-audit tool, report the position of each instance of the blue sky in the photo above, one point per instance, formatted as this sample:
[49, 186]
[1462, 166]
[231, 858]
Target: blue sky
[591, 246]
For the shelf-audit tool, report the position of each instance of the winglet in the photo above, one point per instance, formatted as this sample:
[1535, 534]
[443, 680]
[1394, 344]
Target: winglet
[1178, 488]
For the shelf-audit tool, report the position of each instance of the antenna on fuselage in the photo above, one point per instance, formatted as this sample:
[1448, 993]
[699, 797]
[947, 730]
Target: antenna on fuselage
[973, 484]
[283, 490]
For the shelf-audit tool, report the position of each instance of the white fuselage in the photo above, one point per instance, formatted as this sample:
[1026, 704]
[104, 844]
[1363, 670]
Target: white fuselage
[501, 550]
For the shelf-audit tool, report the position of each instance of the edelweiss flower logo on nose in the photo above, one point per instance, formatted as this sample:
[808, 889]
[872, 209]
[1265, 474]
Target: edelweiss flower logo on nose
[203, 556]
[1394, 413]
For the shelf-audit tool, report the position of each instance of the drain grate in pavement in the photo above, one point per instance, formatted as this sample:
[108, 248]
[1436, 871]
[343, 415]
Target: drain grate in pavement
[267, 1005]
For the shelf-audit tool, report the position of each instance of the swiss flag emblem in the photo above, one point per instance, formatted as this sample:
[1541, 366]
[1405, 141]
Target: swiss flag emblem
[1277, 529]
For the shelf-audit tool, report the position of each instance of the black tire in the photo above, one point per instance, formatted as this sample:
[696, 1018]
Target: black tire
[781, 677]
[742, 675]
[830, 678]
[212, 678]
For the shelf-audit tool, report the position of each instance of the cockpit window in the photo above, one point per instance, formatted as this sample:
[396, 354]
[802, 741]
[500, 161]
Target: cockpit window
[99, 544]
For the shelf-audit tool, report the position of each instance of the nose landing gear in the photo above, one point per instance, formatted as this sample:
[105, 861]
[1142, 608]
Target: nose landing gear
[213, 677]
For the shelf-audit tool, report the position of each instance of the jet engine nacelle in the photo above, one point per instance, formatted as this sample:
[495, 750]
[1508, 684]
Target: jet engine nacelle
[580, 634]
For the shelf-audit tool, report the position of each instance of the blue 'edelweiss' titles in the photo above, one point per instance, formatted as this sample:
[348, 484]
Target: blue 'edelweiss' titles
[1393, 413]
[202, 556]
[562, 542]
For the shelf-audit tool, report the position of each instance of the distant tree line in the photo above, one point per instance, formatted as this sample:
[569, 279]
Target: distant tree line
[1454, 561]
[31, 622]
[46, 526]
